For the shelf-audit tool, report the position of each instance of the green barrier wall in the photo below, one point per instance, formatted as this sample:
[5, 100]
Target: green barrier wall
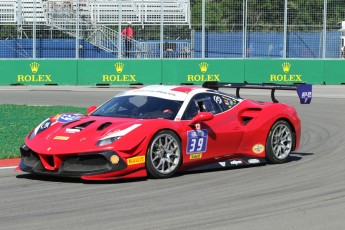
[119, 72]
[285, 71]
[127, 72]
[38, 72]
[335, 72]
[199, 71]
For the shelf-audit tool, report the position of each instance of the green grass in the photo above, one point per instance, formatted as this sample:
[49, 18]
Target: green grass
[16, 121]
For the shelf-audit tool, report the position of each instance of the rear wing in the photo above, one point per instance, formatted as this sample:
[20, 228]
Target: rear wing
[304, 91]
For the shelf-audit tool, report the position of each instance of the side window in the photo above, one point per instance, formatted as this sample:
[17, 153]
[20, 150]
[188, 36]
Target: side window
[229, 102]
[206, 102]
[191, 111]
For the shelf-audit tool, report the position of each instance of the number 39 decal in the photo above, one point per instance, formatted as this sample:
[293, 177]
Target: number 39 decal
[197, 141]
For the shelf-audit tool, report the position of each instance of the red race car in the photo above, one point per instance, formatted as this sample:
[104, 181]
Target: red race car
[159, 130]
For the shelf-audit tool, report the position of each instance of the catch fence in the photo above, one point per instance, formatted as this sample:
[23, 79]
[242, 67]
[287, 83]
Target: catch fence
[172, 29]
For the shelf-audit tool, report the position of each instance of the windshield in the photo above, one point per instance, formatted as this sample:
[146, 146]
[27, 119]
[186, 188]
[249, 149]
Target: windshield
[143, 107]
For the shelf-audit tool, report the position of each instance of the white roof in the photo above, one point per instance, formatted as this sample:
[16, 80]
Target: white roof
[171, 92]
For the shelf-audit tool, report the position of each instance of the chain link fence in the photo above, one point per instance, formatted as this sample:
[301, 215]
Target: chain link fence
[180, 29]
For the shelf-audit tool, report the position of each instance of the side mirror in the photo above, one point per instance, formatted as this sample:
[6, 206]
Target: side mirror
[90, 109]
[202, 116]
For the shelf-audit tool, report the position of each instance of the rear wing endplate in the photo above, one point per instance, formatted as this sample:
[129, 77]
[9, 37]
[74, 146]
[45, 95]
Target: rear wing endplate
[304, 91]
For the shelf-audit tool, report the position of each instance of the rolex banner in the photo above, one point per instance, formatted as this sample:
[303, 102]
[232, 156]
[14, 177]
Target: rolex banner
[38, 72]
[284, 71]
[119, 72]
[198, 71]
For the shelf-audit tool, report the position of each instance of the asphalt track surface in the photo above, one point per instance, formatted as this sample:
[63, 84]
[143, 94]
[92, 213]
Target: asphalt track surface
[308, 192]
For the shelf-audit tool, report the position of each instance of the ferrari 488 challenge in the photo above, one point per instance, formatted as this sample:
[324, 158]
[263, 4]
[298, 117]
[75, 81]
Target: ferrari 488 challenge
[159, 130]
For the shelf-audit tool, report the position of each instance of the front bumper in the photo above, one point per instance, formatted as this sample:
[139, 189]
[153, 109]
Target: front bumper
[76, 165]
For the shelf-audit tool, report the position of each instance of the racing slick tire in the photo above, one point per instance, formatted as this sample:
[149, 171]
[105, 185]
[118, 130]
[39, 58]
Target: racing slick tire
[280, 142]
[164, 155]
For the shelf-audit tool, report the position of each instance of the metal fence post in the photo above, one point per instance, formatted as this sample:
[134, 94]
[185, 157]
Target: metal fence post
[203, 29]
[77, 31]
[119, 29]
[285, 28]
[34, 31]
[324, 29]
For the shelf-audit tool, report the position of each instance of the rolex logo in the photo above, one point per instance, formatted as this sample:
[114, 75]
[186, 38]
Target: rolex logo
[286, 67]
[119, 66]
[34, 67]
[203, 67]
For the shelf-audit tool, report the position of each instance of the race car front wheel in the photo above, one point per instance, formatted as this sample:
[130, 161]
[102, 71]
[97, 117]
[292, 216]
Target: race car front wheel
[163, 155]
[280, 142]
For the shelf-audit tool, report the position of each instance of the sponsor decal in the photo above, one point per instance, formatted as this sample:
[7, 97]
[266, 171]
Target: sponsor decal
[196, 141]
[33, 76]
[65, 118]
[229, 102]
[56, 117]
[72, 130]
[119, 66]
[222, 163]
[195, 156]
[62, 138]
[258, 148]
[305, 93]
[236, 162]
[118, 76]
[217, 99]
[253, 161]
[136, 160]
[286, 77]
[203, 76]
[114, 159]
[43, 126]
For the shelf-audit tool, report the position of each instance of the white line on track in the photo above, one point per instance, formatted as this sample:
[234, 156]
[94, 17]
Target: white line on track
[8, 167]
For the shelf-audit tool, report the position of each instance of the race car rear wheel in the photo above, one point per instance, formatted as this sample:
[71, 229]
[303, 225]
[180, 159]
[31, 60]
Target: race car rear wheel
[163, 156]
[279, 143]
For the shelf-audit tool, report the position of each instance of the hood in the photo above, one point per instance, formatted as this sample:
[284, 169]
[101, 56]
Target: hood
[81, 134]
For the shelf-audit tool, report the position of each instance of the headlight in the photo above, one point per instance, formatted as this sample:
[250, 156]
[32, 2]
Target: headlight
[107, 141]
[41, 127]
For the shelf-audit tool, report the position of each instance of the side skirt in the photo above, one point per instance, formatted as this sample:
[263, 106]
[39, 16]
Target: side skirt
[229, 163]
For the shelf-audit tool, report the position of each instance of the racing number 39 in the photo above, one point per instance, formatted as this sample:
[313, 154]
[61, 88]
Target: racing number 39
[197, 141]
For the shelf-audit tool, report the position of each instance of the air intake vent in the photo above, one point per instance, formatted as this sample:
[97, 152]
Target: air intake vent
[249, 115]
[83, 125]
[103, 126]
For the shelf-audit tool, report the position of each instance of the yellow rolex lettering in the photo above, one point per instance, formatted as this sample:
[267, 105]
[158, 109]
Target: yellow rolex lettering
[29, 77]
[125, 77]
[105, 77]
[197, 78]
[48, 77]
[286, 77]
[114, 77]
[209, 77]
[33, 78]
[20, 78]
[273, 77]
[40, 78]
[202, 77]
[298, 77]
[216, 77]
[132, 77]
[290, 78]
